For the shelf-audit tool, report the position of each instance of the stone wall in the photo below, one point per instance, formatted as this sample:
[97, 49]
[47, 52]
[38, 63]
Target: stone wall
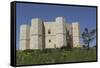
[51, 34]
[36, 34]
[75, 34]
[24, 37]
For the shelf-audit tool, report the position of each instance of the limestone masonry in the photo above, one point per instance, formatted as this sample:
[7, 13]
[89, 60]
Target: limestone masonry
[51, 34]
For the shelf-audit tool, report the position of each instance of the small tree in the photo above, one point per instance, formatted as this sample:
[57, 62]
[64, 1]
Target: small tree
[88, 36]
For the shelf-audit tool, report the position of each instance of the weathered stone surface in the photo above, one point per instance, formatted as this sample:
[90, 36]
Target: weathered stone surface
[51, 34]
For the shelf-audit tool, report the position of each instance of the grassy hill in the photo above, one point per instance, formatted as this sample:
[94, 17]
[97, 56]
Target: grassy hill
[54, 56]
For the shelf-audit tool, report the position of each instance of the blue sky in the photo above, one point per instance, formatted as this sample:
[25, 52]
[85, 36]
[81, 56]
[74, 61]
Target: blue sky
[86, 16]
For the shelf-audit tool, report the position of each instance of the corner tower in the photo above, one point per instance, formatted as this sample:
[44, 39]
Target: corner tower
[36, 34]
[24, 37]
[76, 34]
[60, 32]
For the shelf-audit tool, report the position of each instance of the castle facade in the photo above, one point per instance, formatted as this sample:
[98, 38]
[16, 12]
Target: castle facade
[50, 34]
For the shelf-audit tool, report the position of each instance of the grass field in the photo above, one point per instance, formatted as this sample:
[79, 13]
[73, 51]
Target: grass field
[28, 57]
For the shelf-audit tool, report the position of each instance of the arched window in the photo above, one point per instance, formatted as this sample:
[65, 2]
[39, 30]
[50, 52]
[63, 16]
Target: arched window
[49, 32]
[49, 41]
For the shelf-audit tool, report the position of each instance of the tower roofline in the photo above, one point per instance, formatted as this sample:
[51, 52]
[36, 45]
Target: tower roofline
[75, 22]
[25, 25]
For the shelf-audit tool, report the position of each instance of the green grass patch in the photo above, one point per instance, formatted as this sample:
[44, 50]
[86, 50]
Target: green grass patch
[54, 56]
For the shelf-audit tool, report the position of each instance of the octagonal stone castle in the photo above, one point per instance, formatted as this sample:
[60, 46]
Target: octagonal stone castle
[50, 34]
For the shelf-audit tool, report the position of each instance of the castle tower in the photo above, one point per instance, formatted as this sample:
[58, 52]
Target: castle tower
[69, 35]
[24, 37]
[61, 32]
[36, 34]
[76, 34]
